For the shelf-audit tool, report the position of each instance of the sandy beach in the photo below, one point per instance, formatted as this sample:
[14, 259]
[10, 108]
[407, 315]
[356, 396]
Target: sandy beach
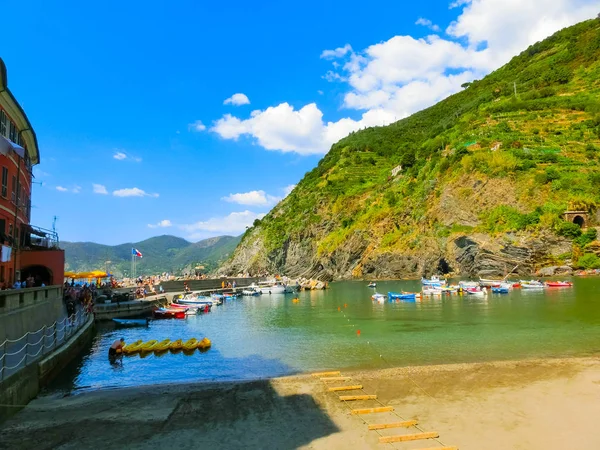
[531, 404]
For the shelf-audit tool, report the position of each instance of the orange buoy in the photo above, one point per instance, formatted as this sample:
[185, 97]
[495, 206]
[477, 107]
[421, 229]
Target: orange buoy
[345, 305]
[339, 309]
[358, 332]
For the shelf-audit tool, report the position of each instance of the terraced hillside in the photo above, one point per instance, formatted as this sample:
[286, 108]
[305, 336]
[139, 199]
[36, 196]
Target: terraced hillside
[485, 177]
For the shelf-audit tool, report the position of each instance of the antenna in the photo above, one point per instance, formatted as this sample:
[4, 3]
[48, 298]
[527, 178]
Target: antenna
[54, 219]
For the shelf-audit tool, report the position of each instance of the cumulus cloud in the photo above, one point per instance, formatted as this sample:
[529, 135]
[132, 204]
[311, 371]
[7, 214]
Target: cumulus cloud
[121, 156]
[166, 223]
[61, 189]
[99, 189]
[390, 80]
[427, 23]
[337, 53]
[252, 198]
[237, 100]
[75, 189]
[132, 192]
[234, 223]
[197, 126]
[288, 189]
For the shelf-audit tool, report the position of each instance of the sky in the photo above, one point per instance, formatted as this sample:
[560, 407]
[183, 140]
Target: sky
[194, 118]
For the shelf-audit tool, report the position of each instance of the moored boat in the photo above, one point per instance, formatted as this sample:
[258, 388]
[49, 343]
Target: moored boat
[532, 284]
[162, 345]
[134, 347]
[275, 289]
[500, 289]
[484, 282]
[476, 291]
[190, 344]
[176, 345]
[251, 291]
[378, 297]
[409, 296]
[372, 284]
[175, 313]
[559, 284]
[432, 290]
[433, 281]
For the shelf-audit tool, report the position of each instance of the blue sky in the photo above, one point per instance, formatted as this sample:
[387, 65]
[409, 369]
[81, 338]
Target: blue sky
[130, 96]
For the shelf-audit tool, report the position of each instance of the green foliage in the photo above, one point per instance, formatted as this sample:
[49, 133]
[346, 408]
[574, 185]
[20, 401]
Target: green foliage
[568, 229]
[505, 218]
[585, 238]
[589, 261]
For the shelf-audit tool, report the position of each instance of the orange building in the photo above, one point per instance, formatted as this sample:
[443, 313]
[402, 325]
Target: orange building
[26, 250]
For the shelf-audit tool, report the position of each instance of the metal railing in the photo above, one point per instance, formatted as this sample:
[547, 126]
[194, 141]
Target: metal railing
[32, 346]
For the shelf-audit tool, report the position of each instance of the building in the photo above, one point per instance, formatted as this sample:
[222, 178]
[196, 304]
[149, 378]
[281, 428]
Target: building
[26, 249]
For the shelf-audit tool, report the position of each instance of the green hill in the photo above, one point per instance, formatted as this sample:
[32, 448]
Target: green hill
[160, 254]
[486, 175]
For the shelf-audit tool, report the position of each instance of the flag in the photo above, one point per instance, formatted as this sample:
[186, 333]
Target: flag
[136, 252]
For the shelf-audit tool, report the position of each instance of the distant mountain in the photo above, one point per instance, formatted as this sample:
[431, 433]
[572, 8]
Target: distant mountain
[160, 254]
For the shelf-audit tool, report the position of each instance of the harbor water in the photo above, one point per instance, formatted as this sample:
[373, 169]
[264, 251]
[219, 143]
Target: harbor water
[273, 335]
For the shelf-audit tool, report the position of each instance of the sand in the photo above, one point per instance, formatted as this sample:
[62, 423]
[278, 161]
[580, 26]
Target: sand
[533, 404]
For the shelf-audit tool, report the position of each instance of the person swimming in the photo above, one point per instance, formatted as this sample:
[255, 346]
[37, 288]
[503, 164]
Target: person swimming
[117, 345]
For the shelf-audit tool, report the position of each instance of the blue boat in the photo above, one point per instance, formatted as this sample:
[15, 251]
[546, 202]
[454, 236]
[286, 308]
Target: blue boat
[500, 290]
[131, 322]
[400, 296]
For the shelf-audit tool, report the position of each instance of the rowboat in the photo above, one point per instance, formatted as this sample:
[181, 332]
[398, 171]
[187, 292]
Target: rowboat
[432, 290]
[133, 347]
[532, 284]
[372, 284]
[162, 345]
[131, 322]
[148, 346]
[433, 281]
[500, 289]
[477, 292]
[489, 283]
[190, 344]
[559, 284]
[204, 343]
[410, 296]
[175, 313]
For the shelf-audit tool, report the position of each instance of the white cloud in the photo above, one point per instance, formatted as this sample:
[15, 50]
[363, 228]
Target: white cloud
[197, 126]
[121, 156]
[320, 92]
[234, 223]
[390, 80]
[75, 189]
[427, 23]
[288, 189]
[166, 223]
[337, 53]
[237, 100]
[252, 198]
[458, 3]
[99, 189]
[132, 192]
[61, 189]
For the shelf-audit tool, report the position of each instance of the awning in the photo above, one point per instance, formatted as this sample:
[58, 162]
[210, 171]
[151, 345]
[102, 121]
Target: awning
[7, 144]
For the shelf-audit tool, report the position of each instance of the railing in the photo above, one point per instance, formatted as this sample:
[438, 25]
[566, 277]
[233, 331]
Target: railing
[32, 346]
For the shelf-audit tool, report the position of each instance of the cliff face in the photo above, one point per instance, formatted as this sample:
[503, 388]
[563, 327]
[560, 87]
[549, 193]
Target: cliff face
[485, 176]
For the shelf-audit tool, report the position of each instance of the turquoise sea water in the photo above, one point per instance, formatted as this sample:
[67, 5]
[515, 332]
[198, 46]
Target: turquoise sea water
[267, 336]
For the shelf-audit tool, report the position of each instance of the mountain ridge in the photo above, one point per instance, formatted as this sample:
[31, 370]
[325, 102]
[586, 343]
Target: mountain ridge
[484, 178]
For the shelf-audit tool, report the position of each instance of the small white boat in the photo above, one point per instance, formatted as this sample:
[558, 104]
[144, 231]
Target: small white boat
[275, 289]
[433, 281]
[377, 297]
[432, 290]
[372, 284]
[468, 284]
[477, 292]
[489, 283]
[251, 291]
[532, 284]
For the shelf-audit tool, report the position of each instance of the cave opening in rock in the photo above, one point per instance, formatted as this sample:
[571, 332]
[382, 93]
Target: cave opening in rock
[578, 220]
[443, 267]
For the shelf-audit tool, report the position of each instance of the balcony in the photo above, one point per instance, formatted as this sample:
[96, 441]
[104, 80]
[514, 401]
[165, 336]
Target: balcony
[36, 238]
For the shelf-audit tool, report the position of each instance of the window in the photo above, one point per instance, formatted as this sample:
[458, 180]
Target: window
[1, 274]
[4, 181]
[2, 228]
[12, 131]
[14, 188]
[3, 130]
[23, 198]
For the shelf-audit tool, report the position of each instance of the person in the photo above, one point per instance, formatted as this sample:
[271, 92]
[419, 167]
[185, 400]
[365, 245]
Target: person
[17, 285]
[115, 347]
[234, 284]
[71, 310]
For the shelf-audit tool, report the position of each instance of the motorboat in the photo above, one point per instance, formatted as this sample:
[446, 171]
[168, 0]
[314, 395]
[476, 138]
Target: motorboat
[489, 283]
[559, 284]
[372, 284]
[432, 290]
[468, 284]
[198, 300]
[433, 281]
[174, 313]
[502, 289]
[251, 292]
[532, 284]
[131, 322]
[193, 309]
[476, 291]
[274, 289]
[409, 296]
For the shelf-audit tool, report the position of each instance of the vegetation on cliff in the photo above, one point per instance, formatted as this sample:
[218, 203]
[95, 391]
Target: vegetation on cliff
[504, 157]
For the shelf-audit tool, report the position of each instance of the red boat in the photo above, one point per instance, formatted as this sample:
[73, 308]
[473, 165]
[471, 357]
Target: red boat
[163, 313]
[559, 284]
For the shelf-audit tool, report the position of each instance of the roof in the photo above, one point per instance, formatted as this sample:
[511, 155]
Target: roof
[16, 113]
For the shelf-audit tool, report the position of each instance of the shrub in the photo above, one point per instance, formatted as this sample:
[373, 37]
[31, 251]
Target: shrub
[589, 236]
[589, 261]
[568, 230]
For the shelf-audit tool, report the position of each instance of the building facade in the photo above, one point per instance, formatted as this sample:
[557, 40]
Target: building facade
[26, 250]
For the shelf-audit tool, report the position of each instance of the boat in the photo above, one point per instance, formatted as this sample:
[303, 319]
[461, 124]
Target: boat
[134, 347]
[559, 284]
[162, 345]
[148, 346]
[229, 296]
[532, 284]
[476, 291]
[449, 289]
[378, 297]
[489, 283]
[176, 345]
[502, 289]
[131, 322]
[175, 313]
[403, 296]
[197, 300]
[190, 344]
[468, 284]
[204, 343]
[433, 281]
[432, 290]
[372, 284]
[251, 291]
[274, 289]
